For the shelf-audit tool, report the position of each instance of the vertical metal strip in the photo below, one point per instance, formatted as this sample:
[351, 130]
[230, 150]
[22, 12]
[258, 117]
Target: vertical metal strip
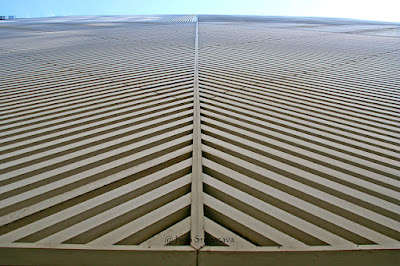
[197, 211]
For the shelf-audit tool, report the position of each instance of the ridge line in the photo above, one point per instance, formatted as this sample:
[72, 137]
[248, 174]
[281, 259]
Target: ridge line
[197, 212]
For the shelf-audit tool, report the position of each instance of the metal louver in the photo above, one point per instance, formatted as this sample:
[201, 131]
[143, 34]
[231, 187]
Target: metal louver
[199, 140]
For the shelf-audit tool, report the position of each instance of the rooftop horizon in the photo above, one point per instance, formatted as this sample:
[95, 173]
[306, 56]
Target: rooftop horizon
[238, 18]
[384, 10]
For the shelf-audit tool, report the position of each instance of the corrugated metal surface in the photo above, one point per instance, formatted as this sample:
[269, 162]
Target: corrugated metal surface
[300, 135]
[299, 141]
[96, 131]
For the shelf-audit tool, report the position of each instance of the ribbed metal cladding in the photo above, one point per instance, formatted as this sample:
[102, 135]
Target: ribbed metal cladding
[96, 131]
[296, 122]
[300, 134]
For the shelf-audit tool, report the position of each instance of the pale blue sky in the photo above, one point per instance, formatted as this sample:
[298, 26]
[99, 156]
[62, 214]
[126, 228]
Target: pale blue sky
[384, 10]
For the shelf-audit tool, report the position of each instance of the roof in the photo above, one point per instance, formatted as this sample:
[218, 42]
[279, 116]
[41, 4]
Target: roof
[139, 138]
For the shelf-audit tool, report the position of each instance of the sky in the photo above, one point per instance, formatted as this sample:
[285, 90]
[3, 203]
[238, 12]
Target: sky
[381, 10]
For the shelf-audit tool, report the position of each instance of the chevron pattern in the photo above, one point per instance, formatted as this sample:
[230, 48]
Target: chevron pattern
[298, 132]
[94, 146]
[298, 149]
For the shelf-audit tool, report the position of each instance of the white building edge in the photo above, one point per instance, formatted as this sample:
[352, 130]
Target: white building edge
[199, 140]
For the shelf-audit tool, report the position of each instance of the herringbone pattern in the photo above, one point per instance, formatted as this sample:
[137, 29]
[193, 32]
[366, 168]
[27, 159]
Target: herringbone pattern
[298, 148]
[113, 129]
[96, 132]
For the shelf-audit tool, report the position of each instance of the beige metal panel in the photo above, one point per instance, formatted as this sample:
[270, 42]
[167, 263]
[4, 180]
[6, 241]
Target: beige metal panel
[143, 222]
[87, 205]
[333, 112]
[311, 122]
[118, 128]
[45, 203]
[110, 214]
[254, 224]
[301, 204]
[96, 129]
[306, 175]
[320, 141]
[288, 143]
[334, 218]
[166, 236]
[126, 136]
[309, 228]
[222, 233]
[300, 122]
[325, 169]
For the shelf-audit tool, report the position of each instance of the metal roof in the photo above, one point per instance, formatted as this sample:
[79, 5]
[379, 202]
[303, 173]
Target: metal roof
[238, 136]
